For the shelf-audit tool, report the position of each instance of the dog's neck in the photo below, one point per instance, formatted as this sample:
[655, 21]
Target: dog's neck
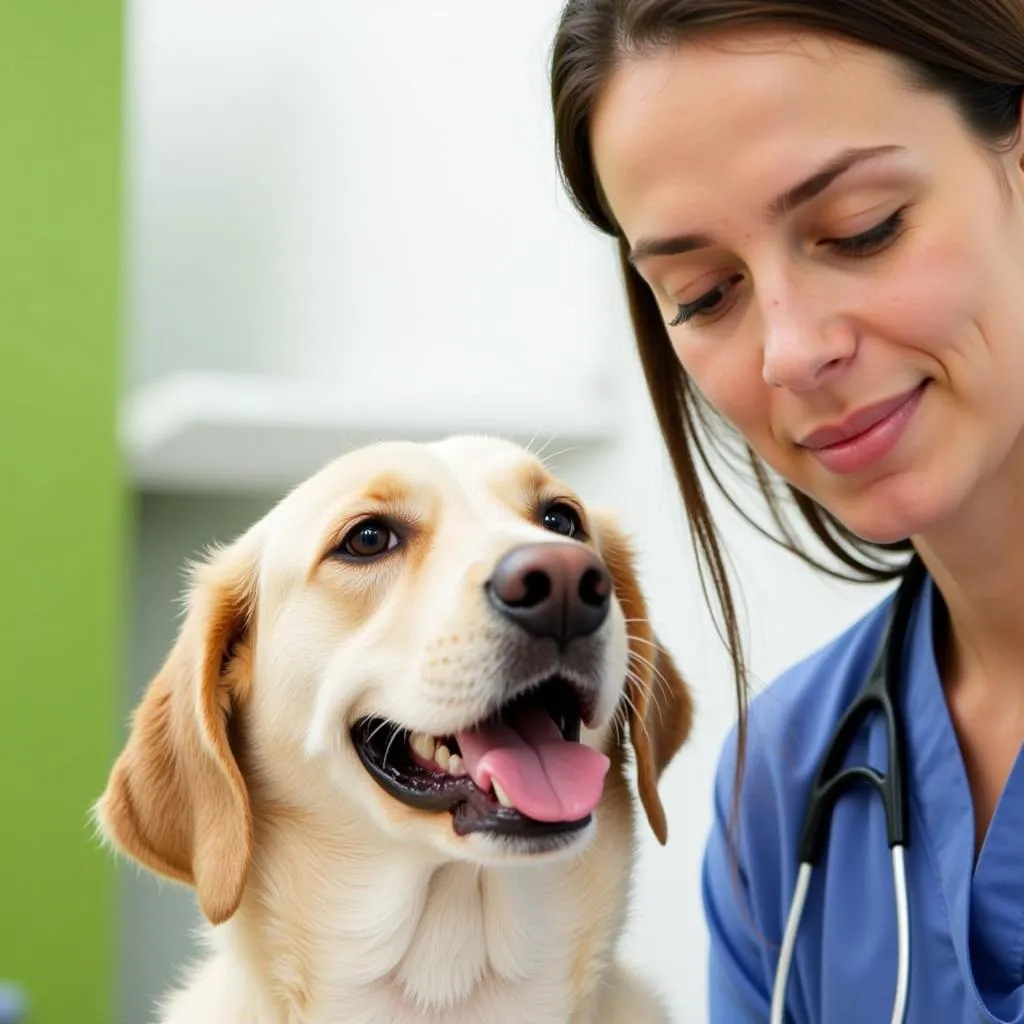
[379, 923]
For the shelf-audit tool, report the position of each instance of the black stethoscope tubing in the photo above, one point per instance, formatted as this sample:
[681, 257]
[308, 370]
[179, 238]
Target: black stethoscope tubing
[880, 693]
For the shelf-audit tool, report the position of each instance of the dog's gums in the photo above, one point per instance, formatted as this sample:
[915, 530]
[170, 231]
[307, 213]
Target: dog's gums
[522, 772]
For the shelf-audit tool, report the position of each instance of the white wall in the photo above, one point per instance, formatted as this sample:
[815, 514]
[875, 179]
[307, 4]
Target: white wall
[242, 229]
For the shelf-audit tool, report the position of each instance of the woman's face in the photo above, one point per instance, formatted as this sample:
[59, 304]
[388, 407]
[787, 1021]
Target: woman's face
[840, 264]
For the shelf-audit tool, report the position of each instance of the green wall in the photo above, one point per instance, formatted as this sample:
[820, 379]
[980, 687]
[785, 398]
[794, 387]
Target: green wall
[61, 504]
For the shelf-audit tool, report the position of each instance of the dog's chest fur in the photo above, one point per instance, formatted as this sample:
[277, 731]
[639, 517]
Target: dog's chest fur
[390, 939]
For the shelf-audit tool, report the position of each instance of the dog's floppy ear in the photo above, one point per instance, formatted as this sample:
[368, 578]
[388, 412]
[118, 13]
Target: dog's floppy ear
[176, 801]
[658, 705]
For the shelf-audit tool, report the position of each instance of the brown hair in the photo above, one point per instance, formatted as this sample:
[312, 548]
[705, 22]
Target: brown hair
[970, 50]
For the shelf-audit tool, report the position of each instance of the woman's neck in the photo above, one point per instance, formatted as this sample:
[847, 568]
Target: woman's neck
[977, 564]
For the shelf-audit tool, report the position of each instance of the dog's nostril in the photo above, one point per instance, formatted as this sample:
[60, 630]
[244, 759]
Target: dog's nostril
[536, 589]
[595, 588]
[522, 590]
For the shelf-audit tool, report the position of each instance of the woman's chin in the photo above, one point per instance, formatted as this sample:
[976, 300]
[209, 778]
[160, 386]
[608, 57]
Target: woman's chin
[887, 516]
[881, 533]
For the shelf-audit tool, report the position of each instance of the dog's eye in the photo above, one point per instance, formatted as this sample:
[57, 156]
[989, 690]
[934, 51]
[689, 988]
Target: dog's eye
[562, 518]
[368, 539]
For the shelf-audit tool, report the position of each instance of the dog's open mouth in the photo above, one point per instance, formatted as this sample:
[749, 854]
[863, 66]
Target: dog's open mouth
[522, 772]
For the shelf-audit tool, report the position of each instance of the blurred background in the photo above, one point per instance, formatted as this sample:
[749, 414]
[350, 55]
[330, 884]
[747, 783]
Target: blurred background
[237, 239]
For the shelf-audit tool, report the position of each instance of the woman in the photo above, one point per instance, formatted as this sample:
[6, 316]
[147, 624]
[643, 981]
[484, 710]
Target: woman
[819, 206]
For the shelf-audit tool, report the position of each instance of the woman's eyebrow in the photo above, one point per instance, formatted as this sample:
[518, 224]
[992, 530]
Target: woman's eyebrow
[816, 183]
[671, 245]
[802, 192]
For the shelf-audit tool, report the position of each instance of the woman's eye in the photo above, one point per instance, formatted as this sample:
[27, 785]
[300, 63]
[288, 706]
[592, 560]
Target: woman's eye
[869, 242]
[562, 518]
[368, 539]
[709, 302]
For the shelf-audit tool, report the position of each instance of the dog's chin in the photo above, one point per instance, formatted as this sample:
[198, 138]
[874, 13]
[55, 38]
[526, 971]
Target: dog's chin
[490, 849]
[433, 784]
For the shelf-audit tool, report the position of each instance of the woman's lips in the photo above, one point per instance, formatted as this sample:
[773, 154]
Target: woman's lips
[866, 437]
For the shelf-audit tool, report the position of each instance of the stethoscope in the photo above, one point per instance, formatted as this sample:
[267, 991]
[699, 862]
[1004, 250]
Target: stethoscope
[879, 693]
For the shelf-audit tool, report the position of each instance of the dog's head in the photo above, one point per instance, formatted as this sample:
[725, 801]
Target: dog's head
[438, 638]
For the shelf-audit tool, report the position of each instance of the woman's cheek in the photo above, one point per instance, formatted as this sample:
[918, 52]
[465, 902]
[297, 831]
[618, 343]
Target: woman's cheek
[732, 381]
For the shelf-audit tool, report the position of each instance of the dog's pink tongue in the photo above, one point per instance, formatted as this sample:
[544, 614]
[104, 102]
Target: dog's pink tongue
[546, 777]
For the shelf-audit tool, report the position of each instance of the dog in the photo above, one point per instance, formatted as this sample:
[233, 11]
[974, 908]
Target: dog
[396, 750]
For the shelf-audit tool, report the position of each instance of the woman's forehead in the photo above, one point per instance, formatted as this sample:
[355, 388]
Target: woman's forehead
[743, 116]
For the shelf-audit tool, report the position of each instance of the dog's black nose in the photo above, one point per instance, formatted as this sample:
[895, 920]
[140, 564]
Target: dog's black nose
[555, 590]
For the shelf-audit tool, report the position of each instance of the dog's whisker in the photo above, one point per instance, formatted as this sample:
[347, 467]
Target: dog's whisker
[650, 643]
[638, 717]
[644, 660]
[548, 460]
[653, 698]
[380, 725]
[621, 716]
[552, 438]
[395, 730]
[533, 440]
[647, 689]
[650, 664]
[650, 690]
[644, 687]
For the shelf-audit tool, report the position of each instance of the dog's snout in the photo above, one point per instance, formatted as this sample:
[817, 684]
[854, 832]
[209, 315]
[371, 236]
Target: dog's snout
[555, 590]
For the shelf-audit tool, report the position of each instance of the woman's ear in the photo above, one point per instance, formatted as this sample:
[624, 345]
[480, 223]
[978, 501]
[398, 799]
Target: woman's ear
[176, 801]
[658, 705]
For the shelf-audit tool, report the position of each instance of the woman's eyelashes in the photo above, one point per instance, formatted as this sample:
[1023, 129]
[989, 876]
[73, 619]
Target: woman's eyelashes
[867, 243]
[708, 303]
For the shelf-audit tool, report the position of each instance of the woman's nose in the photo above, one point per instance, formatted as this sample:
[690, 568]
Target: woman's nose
[804, 347]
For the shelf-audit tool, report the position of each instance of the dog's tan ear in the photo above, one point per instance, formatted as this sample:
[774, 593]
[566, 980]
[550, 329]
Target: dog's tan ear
[658, 704]
[176, 801]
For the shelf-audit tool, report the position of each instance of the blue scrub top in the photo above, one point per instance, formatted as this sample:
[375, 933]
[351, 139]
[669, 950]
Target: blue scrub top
[966, 919]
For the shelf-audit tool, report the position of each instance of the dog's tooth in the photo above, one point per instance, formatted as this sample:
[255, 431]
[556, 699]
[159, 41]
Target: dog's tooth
[423, 745]
[442, 757]
[503, 797]
[456, 766]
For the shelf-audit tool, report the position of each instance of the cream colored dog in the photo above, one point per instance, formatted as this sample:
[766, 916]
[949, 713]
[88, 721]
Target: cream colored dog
[365, 751]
